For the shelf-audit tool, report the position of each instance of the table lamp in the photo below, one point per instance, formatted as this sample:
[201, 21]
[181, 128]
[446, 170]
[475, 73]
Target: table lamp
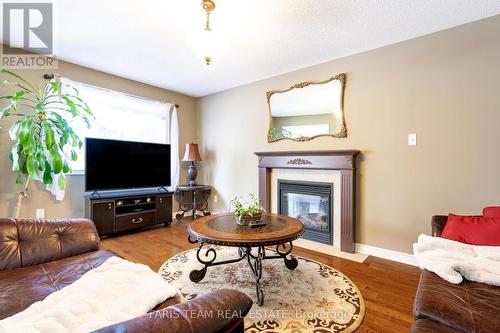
[190, 155]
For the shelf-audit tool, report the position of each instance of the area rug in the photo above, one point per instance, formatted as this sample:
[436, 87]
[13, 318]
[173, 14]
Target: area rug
[312, 298]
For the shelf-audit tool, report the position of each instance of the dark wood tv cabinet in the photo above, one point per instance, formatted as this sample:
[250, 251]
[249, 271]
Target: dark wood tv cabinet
[115, 212]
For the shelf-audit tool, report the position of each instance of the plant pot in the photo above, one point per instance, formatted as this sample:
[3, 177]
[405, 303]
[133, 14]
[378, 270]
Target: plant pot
[254, 219]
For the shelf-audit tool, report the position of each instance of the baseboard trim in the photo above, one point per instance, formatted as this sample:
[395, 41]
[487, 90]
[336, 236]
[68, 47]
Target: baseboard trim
[401, 257]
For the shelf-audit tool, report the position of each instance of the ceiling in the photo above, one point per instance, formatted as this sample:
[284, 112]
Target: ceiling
[148, 41]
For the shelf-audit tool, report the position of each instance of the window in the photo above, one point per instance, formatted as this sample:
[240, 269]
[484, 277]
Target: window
[298, 131]
[119, 116]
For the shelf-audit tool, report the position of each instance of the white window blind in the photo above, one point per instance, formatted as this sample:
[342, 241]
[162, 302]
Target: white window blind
[119, 116]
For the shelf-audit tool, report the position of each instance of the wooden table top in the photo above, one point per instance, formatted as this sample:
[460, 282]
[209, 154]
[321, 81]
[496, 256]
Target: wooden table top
[222, 229]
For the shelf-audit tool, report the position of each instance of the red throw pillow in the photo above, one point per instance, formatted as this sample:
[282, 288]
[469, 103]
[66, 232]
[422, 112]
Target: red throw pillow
[475, 230]
[491, 212]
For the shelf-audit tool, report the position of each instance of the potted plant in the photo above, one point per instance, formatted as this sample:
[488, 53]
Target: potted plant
[44, 142]
[248, 213]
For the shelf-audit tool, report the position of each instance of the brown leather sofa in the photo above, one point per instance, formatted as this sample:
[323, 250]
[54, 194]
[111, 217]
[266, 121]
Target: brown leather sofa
[444, 307]
[38, 257]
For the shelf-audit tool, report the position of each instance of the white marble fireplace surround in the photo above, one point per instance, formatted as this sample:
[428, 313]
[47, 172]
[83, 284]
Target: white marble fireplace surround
[326, 176]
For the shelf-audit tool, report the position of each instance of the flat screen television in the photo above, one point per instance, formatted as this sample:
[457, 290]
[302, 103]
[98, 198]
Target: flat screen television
[113, 165]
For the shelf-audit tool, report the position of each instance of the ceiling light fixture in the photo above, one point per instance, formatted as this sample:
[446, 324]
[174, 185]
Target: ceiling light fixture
[208, 7]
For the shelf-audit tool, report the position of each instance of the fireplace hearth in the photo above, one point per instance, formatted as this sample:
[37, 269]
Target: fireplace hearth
[312, 204]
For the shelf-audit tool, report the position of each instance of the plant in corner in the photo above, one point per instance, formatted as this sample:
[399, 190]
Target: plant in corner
[44, 142]
[247, 213]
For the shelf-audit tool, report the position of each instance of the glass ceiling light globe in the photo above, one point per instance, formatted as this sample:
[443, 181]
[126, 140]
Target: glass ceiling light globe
[207, 44]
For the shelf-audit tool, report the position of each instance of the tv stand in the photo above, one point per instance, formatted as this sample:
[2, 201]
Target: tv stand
[119, 211]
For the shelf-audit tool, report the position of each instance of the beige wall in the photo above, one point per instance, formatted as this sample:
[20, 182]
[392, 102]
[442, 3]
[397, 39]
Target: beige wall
[73, 204]
[445, 87]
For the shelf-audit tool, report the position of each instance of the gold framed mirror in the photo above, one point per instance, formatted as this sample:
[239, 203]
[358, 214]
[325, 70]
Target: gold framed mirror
[307, 110]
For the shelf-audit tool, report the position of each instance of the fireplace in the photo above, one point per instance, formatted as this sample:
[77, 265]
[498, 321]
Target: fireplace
[312, 204]
[342, 162]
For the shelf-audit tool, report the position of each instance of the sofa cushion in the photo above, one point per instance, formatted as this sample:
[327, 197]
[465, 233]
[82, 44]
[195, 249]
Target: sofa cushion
[466, 307]
[491, 212]
[473, 230]
[23, 286]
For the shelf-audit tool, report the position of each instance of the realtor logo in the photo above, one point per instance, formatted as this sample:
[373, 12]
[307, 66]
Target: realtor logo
[27, 28]
[27, 36]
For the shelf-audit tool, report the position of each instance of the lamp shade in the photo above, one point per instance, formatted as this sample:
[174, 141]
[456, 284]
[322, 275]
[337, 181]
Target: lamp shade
[192, 153]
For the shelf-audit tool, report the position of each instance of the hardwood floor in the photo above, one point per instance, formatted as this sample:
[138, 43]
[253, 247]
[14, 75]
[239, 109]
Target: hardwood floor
[388, 288]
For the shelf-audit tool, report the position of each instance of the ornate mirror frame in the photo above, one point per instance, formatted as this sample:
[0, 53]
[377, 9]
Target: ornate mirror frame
[343, 131]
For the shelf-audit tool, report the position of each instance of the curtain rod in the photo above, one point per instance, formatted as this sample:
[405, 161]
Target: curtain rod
[50, 76]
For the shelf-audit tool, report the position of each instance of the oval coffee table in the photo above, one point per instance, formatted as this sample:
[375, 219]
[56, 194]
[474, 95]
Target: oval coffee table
[221, 229]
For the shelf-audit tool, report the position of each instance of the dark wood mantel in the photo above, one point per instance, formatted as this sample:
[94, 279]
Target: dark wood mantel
[342, 160]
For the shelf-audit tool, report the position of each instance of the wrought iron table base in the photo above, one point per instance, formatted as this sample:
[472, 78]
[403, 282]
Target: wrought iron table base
[192, 200]
[254, 261]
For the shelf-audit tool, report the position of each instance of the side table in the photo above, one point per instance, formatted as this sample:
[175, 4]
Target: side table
[192, 198]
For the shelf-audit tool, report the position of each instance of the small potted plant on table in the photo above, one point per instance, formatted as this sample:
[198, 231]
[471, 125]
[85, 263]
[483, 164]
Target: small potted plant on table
[248, 214]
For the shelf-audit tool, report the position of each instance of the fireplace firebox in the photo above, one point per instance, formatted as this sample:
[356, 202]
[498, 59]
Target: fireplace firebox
[312, 204]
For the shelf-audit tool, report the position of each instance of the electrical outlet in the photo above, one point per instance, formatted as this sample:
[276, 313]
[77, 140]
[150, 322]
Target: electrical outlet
[412, 139]
[40, 213]
[215, 199]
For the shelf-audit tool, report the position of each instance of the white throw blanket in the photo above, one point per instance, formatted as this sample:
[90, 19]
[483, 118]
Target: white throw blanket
[454, 261]
[117, 290]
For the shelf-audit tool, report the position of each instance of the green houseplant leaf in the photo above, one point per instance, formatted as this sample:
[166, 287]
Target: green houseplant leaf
[49, 135]
[47, 174]
[56, 160]
[61, 181]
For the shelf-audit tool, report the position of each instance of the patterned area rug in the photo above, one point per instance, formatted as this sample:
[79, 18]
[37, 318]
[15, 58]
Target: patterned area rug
[312, 298]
